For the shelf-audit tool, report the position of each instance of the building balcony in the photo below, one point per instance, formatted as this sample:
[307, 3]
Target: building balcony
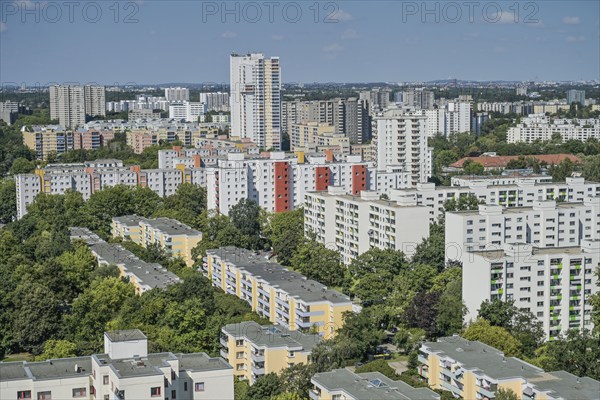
[258, 371]
[246, 292]
[422, 359]
[486, 392]
[313, 395]
[257, 357]
[283, 313]
[264, 302]
[224, 354]
[224, 342]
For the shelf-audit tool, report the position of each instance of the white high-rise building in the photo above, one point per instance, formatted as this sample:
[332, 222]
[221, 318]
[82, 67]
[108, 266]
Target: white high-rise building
[402, 140]
[177, 94]
[217, 101]
[67, 105]
[457, 117]
[255, 99]
[554, 283]
[353, 224]
[187, 110]
[70, 104]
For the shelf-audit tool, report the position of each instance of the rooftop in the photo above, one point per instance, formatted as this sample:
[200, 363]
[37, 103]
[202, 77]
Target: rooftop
[369, 386]
[125, 335]
[502, 161]
[294, 284]
[272, 336]
[50, 369]
[568, 386]
[482, 359]
[201, 362]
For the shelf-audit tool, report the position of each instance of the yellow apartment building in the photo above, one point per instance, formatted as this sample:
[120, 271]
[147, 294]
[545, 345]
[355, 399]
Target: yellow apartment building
[175, 238]
[474, 370]
[255, 350]
[343, 384]
[285, 297]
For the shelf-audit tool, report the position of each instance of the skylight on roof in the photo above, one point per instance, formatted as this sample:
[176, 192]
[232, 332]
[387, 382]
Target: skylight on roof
[378, 383]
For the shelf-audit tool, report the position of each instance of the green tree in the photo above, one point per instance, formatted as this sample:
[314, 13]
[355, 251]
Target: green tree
[591, 168]
[471, 167]
[562, 171]
[577, 353]
[451, 309]
[506, 394]
[494, 336]
[58, 349]
[381, 366]
[431, 251]
[523, 325]
[265, 387]
[296, 379]
[94, 308]
[246, 216]
[22, 166]
[144, 201]
[37, 316]
[468, 202]
[285, 231]
[288, 396]
[317, 262]
[8, 201]
[185, 205]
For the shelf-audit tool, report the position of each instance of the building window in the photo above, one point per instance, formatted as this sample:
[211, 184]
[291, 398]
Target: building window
[105, 380]
[44, 395]
[155, 391]
[199, 387]
[185, 386]
[79, 392]
[173, 394]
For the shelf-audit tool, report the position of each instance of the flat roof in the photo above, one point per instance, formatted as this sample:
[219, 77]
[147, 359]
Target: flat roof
[49, 369]
[482, 359]
[125, 335]
[201, 362]
[149, 274]
[273, 336]
[370, 385]
[277, 276]
[566, 385]
[496, 254]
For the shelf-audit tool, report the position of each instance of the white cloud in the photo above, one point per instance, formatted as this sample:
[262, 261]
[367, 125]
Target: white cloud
[333, 48]
[350, 34]
[507, 17]
[575, 39]
[571, 20]
[278, 37]
[2, 26]
[228, 35]
[339, 15]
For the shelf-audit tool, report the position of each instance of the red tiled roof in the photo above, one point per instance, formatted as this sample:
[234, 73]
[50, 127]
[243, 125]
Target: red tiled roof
[502, 161]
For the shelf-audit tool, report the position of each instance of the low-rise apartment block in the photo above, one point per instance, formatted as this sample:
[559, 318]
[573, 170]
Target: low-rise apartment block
[553, 283]
[522, 194]
[474, 370]
[274, 292]
[512, 178]
[175, 238]
[354, 224]
[347, 385]
[545, 224]
[142, 275]
[124, 371]
[91, 176]
[255, 350]
[540, 127]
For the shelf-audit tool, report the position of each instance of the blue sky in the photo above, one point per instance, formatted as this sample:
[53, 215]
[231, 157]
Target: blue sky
[363, 41]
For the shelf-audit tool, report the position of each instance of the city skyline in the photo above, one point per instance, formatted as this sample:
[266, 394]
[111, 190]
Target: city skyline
[350, 42]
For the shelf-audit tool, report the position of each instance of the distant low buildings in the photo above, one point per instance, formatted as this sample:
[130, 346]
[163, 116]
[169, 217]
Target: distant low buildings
[540, 127]
[473, 370]
[56, 140]
[142, 275]
[254, 350]
[492, 162]
[274, 292]
[345, 384]
[10, 110]
[124, 371]
[175, 238]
